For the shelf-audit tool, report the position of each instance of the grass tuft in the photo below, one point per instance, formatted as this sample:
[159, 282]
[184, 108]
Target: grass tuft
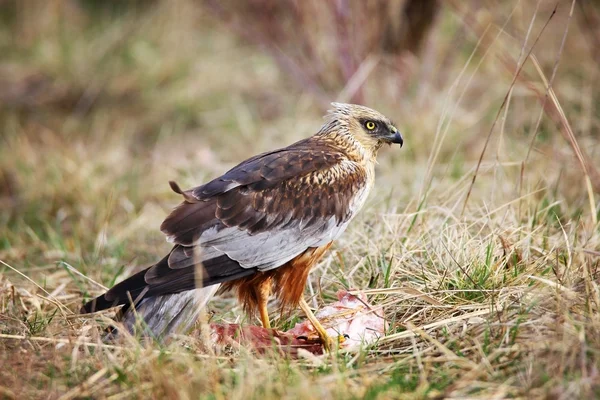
[480, 240]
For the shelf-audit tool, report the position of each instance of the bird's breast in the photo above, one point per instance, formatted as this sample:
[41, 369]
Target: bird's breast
[363, 177]
[360, 197]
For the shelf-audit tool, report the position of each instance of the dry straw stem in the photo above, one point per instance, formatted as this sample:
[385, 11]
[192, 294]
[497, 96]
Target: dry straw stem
[553, 108]
[592, 176]
[499, 302]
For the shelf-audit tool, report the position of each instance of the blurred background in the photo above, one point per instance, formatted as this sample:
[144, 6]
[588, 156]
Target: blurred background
[492, 203]
[103, 102]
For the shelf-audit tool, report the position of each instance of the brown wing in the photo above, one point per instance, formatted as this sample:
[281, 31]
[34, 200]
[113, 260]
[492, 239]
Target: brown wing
[272, 207]
[266, 185]
[257, 216]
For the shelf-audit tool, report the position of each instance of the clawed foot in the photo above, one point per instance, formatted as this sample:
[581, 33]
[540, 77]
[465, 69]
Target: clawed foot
[326, 341]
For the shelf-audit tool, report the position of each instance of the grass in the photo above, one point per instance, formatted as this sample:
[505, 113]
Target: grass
[494, 296]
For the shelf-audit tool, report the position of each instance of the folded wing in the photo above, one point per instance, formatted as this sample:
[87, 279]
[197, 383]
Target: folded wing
[256, 217]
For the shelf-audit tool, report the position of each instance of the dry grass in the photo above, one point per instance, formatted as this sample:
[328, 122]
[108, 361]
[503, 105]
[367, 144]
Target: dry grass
[492, 297]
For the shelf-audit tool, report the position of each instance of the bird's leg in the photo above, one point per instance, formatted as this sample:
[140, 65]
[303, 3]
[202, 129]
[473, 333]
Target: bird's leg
[325, 339]
[264, 315]
[263, 293]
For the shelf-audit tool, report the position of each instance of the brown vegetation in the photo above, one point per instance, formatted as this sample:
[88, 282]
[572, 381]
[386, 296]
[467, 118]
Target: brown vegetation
[481, 240]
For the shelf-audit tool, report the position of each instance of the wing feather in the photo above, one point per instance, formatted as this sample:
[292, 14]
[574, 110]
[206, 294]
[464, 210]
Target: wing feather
[256, 217]
[265, 211]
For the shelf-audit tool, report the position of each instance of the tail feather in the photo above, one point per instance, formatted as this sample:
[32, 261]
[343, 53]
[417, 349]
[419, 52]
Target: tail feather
[133, 287]
[169, 295]
[163, 316]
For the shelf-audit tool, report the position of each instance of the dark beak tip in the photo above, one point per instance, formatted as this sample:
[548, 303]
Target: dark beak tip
[398, 139]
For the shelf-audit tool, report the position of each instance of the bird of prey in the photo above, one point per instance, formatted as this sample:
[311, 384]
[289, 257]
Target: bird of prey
[259, 228]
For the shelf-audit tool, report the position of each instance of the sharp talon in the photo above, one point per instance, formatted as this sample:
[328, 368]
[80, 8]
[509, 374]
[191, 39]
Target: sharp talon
[326, 341]
[310, 339]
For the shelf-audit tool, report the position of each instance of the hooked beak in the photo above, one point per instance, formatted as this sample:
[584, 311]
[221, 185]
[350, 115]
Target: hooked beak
[395, 137]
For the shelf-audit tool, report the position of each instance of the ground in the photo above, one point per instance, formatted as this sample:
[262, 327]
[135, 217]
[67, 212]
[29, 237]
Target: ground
[480, 240]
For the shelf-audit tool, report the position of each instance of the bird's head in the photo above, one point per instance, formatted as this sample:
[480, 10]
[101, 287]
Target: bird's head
[368, 127]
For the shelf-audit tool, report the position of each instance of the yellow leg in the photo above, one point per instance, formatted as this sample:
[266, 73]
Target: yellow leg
[264, 313]
[327, 341]
[263, 291]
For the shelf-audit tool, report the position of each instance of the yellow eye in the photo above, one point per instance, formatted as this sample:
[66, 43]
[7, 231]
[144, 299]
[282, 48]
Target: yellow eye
[370, 125]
